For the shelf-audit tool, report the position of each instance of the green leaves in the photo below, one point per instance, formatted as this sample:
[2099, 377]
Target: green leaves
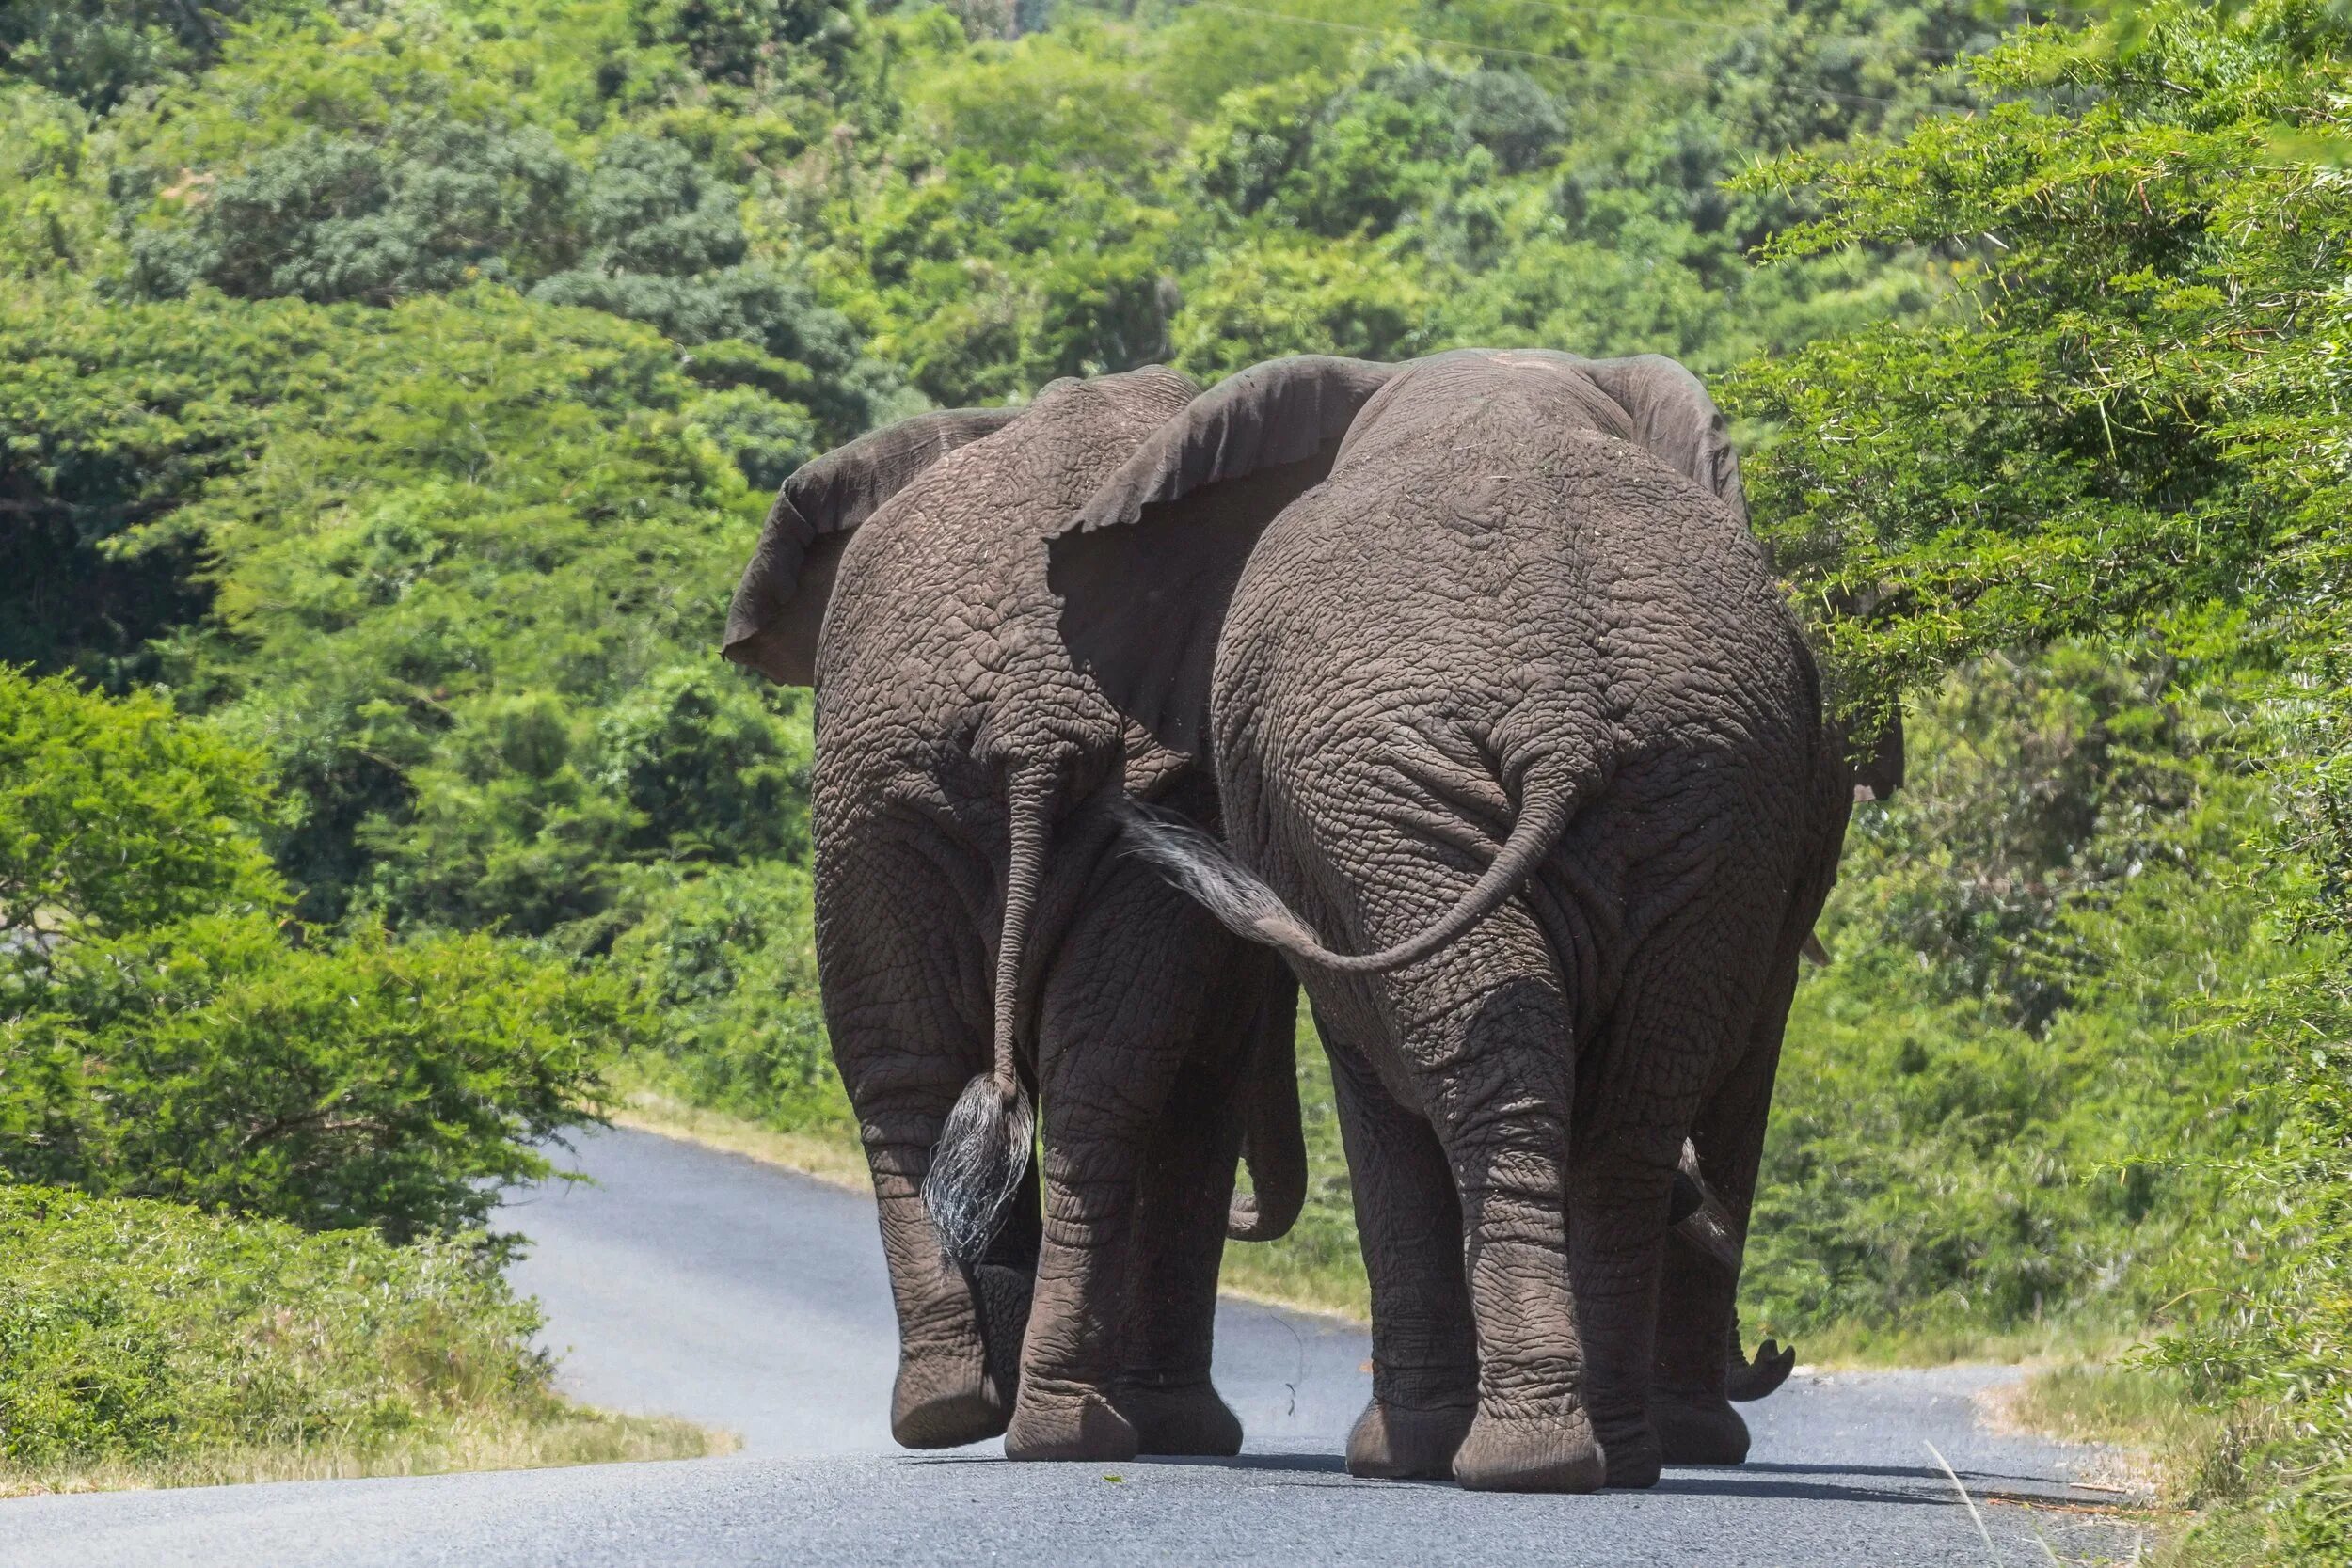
[114, 817]
[134, 1331]
[2140, 284]
[2136, 424]
[167, 1032]
[341, 1084]
[2002, 1106]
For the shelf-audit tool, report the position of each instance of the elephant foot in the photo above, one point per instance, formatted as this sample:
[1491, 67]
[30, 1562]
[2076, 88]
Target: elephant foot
[936, 1413]
[1392, 1443]
[1635, 1456]
[1545, 1455]
[1190, 1420]
[1697, 1431]
[951, 1390]
[1079, 1424]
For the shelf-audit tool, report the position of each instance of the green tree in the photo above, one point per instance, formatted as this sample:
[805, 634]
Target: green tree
[2131, 416]
[166, 1031]
[118, 816]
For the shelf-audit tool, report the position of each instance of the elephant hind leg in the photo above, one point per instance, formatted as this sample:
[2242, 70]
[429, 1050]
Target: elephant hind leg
[905, 1022]
[1137, 983]
[1485, 1030]
[1682, 1021]
[1424, 1365]
[1691, 1404]
[1182, 1201]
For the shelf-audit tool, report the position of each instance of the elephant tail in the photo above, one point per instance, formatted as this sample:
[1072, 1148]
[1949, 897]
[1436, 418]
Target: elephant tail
[983, 1147]
[1246, 907]
[1272, 1140]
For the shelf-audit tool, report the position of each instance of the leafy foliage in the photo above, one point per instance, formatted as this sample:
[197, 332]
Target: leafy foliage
[116, 817]
[398, 385]
[97, 52]
[167, 1035]
[364, 1083]
[136, 1330]
[1994, 1112]
[2132, 416]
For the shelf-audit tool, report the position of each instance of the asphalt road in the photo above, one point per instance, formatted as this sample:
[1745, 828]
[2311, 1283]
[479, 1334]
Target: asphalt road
[704, 1285]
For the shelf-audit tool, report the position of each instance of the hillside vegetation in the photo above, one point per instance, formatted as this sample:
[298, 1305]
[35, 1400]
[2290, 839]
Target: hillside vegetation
[393, 387]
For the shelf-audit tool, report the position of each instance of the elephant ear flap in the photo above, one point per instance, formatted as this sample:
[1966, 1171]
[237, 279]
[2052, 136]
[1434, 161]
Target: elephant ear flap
[1674, 416]
[1878, 770]
[1146, 569]
[780, 603]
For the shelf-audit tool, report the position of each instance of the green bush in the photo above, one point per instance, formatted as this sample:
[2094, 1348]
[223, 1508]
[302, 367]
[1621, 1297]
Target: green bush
[357, 1082]
[727, 961]
[239, 1060]
[2002, 1108]
[2129, 414]
[140, 1331]
[114, 817]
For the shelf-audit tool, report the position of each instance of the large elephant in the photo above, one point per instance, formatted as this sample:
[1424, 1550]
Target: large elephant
[963, 789]
[1524, 763]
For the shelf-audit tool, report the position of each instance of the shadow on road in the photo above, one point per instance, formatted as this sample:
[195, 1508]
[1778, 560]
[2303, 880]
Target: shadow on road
[1757, 1481]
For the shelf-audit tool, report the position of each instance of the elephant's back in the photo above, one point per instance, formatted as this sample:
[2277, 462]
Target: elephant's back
[941, 641]
[1525, 584]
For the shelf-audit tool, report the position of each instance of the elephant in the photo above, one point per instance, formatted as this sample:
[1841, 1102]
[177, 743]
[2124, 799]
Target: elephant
[981, 935]
[1525, 767]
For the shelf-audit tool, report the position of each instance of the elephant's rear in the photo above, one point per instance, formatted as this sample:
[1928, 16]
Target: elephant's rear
[1453, 620]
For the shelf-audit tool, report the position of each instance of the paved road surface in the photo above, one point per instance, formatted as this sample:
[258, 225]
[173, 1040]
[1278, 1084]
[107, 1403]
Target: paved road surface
[704, 1285]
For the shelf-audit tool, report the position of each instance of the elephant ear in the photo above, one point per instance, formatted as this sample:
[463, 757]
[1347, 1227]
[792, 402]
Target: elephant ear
[1146, 569]
[1878, 769]
[1674, 418]
[780, 603]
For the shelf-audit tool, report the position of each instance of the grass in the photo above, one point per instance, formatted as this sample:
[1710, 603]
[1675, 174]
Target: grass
[2218, 1474]
[829, 1151]
[563, 1434]
[144, 1343]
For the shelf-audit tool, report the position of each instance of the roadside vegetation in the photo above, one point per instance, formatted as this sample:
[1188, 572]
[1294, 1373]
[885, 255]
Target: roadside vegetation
[389, 390]
[244, 1160]
[145, 1342]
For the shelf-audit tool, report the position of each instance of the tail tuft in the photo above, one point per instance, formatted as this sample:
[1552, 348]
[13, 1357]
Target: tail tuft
[977, 1165]
[1203, 869]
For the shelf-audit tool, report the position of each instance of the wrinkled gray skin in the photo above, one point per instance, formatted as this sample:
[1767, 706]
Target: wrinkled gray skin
[980, 934]
[1509, 708]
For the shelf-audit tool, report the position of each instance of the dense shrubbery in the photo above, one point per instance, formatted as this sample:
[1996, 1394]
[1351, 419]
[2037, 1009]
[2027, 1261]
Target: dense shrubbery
[170, 1032]
[138, 1332]
[326, 407]
[2132, 416]
[1997, 1110]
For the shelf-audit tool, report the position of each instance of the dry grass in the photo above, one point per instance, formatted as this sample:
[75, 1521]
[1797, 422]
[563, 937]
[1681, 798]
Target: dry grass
[570, 1434]
[833, 1157]
[1856, 1347]
[2208, 1471]
[2181, 1454]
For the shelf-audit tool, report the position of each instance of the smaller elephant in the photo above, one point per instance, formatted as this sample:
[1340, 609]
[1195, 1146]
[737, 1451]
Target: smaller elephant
[982, 936]
[1525, 767]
